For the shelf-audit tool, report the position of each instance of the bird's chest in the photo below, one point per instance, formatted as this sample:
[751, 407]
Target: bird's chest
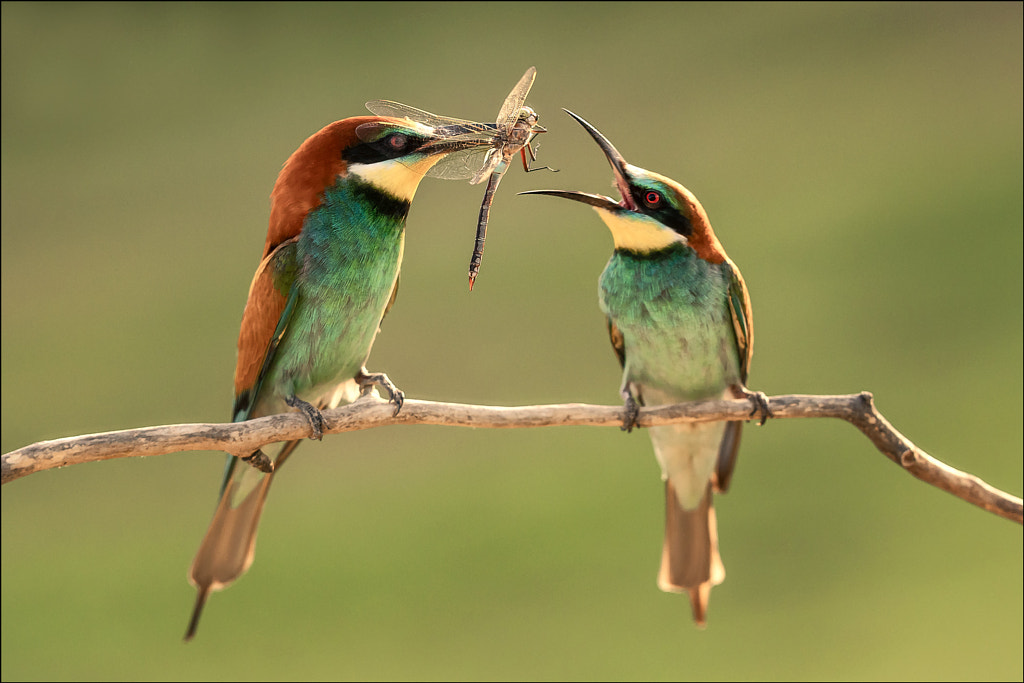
[348, 261]
[672, 310]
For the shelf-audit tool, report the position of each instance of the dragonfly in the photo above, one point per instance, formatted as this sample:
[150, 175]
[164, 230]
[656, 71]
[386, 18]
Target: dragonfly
[483, 150]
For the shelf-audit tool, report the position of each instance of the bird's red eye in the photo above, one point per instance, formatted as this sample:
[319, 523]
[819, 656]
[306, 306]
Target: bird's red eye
[397, 141]
[652, 198]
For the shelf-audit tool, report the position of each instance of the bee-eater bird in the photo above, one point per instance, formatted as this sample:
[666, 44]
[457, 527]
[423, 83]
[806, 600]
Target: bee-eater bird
[327, 277]
[679, 319]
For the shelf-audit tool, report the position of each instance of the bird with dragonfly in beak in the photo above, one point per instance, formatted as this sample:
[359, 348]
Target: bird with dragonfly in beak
[484, 150]
[327, 277]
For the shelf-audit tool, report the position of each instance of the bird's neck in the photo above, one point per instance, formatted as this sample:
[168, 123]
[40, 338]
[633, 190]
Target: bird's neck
[675, 276]
[398, 178]
[357, 226]
[637, 233]
[676, 255]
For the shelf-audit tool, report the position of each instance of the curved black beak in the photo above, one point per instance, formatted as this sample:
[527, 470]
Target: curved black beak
[618, 164]
[597, 200]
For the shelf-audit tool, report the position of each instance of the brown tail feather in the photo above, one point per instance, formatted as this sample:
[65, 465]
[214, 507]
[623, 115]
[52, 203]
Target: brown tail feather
[689, 559]
[727, 456]
[193, 623]
[229, 544]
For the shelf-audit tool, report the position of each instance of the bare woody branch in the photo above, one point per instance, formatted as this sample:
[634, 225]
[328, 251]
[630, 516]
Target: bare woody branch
[241, 439]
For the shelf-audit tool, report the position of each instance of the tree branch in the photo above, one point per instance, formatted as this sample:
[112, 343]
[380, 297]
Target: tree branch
[242, 438]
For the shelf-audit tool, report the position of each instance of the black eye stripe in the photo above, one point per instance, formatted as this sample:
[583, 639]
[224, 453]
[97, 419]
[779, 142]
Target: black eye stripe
[390, 146]
[654, 203]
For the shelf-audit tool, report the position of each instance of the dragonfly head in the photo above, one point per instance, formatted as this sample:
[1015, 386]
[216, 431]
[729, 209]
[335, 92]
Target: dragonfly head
[619, 168]
[529, 117]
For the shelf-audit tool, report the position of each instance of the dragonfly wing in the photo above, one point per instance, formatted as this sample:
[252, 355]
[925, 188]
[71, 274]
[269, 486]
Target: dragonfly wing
[509, 112]
[460, 165]
[404, 111]
[478, 145]
[492, 161]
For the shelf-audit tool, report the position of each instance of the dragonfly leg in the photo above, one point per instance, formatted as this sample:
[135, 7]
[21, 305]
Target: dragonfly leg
[533, 157]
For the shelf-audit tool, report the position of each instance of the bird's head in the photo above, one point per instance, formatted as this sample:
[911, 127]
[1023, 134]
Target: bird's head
[655, 211]
[391, 154]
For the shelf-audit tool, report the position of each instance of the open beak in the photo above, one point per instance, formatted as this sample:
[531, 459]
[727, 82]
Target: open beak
[618, 164]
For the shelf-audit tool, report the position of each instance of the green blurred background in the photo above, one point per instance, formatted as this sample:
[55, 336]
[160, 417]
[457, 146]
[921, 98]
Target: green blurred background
[862, 163]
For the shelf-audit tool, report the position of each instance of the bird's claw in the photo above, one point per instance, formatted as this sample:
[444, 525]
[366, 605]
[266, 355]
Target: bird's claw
[761, 405]
[398, 398]
[632, 412]
[367, 381]
[260, 461]
[315, 417]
